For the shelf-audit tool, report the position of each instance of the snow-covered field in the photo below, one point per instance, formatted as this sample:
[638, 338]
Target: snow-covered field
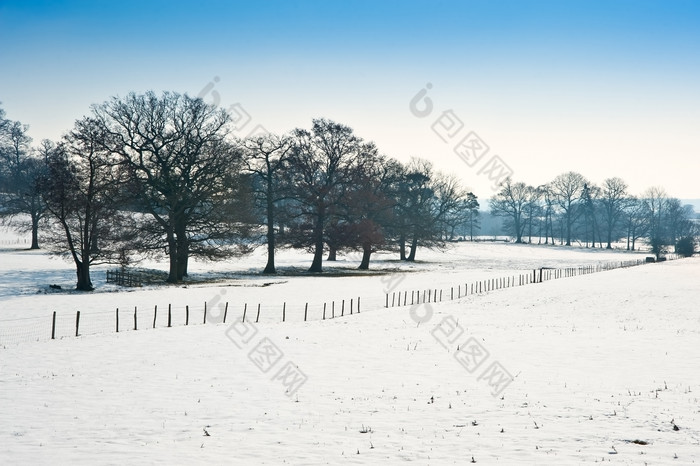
[27, 301]
[603, 367]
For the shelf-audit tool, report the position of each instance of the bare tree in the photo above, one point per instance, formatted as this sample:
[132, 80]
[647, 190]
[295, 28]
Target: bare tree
[613, 199]
[414, 196]
[369, 207]
[548, 198]
[636, 221]
[511, 202]
[426, 199]
[589, 203]
[463, 216]
[655, 202]
[267, 158]
[80, 189]
[532, 209]
[450, 204]
[677, 220]
[183, 172]
[473, 215]
[323, 167]
[22, 206]
[566, 190]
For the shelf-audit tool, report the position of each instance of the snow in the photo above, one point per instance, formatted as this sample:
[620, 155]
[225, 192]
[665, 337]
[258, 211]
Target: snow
[598, 362]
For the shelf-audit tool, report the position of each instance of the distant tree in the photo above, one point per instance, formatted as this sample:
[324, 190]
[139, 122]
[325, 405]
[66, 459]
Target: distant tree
[613, 199]
[414, 196]
[21, 205]
[511, 202]
[183, 173]
[267, 158]
[426, 202]
[566, 190]
[655, 202]
[677, 220]
[532, 210]
[548, 198]
[81, 190]
[636, 221]
[589, 202]
[473, 216]
[450, 205]
[462, 214]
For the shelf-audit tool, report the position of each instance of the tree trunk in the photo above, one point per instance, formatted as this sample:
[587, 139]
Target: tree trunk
[366, 253]
[35, 233]
[83, 273]
[402, 247]
[332, 252]
[568, 230]
[270, 266]
[172, 257]
[412, 255]
[317, 264]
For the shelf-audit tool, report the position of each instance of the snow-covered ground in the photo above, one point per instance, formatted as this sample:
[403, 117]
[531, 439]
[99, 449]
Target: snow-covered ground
[586, 369]
[27, 302]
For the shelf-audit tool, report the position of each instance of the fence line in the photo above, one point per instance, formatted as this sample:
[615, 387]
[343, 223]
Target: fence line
[141, 318]
[124, 278]
[394, 298]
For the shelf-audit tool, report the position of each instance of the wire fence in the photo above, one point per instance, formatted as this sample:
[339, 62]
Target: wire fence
[216, 311]
[411, 297]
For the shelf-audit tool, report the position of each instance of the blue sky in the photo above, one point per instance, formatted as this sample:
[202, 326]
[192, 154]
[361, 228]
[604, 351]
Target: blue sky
[607, 88]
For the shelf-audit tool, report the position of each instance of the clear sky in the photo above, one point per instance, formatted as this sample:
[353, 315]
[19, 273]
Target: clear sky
[606, 88]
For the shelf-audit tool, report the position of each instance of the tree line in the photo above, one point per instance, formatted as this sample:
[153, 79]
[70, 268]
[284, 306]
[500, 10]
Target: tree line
[572, 208]
[150, 175]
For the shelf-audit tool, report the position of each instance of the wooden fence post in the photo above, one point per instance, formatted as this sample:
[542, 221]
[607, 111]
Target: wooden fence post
[342, 308]
[135, 323]
[155, 314]
[324, 310]
[169, 316]
[225, 311]
[284, 311]
[245, 309]
[306, 309]
[358, 304]
[187, 315]
[53, 326]
[257, 317]
[205, 313]
[117, 320]
[77, 322]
